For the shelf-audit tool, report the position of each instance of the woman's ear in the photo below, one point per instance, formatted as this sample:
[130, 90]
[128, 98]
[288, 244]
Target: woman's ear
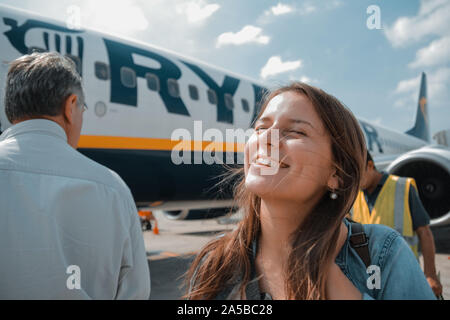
[333, 181]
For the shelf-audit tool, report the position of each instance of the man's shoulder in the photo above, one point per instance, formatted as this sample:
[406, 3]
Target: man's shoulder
[59, 160]
[99, 173]
[84, 168]
[410, 180]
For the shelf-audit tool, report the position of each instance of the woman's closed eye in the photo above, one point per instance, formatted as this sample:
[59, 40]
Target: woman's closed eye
[260, 129]
[291, 132]
[296, 133]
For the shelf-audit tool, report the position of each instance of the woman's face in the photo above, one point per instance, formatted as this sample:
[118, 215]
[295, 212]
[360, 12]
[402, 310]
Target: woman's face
[302, 170]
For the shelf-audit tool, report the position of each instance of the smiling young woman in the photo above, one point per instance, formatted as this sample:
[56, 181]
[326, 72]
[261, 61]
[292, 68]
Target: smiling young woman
[293, 241]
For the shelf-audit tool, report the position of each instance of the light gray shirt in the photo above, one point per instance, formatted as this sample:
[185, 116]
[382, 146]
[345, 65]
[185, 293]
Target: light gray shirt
[69, 228]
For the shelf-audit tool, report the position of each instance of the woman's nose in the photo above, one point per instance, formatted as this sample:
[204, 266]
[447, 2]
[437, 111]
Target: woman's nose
[269, 138]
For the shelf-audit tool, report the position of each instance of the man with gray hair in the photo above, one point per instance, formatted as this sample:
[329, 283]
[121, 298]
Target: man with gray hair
[69, 227]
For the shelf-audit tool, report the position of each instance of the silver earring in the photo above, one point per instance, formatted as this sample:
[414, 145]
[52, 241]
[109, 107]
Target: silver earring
[333, 195]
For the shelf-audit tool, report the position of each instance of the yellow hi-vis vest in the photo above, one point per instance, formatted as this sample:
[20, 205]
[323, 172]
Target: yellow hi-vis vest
[391, 209]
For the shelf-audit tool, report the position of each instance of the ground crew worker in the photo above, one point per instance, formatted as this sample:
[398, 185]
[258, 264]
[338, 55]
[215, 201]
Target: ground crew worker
[394, 201]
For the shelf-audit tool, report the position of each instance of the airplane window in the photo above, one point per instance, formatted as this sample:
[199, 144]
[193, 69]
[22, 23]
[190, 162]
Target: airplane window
[128, 77]
[173, 87]
[212, 96]
[76, 60]
[229, 103]
[102, 70]
[245, 105]
[152, 81]
[193, 92]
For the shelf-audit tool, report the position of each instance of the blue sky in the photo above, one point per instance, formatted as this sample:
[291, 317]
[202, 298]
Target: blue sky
[324, 42]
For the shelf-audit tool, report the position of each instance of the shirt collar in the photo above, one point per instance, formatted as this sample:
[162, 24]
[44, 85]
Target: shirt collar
[383, 178]
[42, 126]
[379, 184]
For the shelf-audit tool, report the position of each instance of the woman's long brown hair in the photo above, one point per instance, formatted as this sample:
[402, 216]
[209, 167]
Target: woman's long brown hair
[314, 242]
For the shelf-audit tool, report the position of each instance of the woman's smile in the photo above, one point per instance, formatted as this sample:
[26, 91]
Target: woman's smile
[265, 161]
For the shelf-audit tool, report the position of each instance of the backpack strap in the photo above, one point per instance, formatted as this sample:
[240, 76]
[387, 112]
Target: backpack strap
[360, 242]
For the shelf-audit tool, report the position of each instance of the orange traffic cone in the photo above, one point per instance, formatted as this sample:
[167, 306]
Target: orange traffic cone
[155, 229]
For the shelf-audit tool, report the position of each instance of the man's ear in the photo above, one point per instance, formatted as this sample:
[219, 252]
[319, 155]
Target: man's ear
[69, 105]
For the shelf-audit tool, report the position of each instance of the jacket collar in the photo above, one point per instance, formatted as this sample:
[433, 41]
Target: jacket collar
[42, 126]
[341, 258]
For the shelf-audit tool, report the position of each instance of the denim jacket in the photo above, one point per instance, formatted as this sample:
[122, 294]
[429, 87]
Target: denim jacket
[395, 272]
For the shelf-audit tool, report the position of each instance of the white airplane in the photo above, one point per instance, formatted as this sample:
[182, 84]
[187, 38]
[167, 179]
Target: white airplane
[138, 95]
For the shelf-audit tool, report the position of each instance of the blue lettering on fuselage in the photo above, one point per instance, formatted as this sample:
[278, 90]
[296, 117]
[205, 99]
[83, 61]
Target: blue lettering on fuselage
[16, 36]
[120, 55]
[229, 86]
[372, 136]
[259, 93]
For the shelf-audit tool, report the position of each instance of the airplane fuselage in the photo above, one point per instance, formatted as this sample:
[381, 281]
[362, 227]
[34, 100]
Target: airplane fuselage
[138, 95]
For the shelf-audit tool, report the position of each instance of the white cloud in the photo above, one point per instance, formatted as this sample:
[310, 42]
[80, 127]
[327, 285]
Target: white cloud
[309, 80]
[303, 9]
[307, 8]
[433, 18]
[436, 53]
[408, 85]
[405, 102]
[334, 4]
[197, 11]
[275, 66]
[248, 34]
[438, 83]
[432, 23]
[122, 17]
[283, 9]
[280, 9]
[430, 5]
[304, 79]
[179, 35]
